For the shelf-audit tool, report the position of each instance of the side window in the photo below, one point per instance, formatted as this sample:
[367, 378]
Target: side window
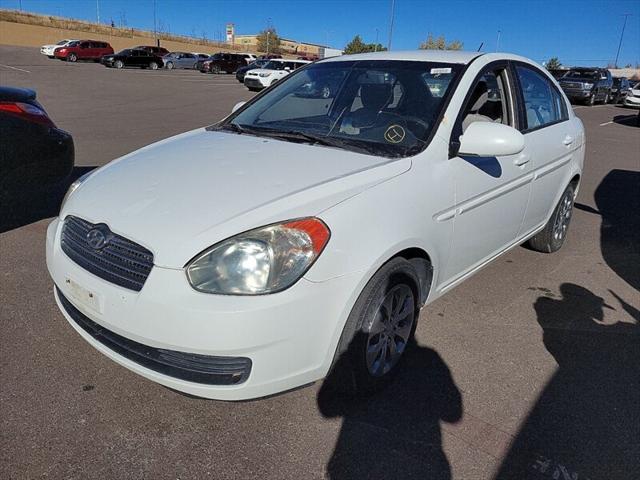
[542, 103]
[489, 100]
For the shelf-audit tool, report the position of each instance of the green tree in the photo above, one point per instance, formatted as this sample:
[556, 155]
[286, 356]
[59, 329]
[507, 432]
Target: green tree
[269, 41]
[440, 44]
[553, 63]
[358, 46]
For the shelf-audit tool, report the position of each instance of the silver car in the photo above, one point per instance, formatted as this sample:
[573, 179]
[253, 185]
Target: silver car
[180, 60]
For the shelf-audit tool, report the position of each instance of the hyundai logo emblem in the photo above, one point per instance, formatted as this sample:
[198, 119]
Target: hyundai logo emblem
[97, 238]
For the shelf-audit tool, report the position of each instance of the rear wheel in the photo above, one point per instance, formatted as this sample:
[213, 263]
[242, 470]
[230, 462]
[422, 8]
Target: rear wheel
[379, 329]
[118, 64]
[72, 57]
[551, 238]
[591, 101]
[153, 66]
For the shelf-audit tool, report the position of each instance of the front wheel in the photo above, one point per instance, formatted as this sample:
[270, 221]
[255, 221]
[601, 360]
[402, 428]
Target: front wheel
[379, 329]
[72, 57]
[118, 64]
[169, 65]
[551, 238]
[591, 101]
[215, 69]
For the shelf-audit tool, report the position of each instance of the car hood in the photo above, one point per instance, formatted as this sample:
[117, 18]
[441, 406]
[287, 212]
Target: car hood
[184, 194]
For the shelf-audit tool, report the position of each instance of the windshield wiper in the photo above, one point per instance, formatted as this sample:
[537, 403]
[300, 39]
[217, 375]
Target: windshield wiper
[232, 127]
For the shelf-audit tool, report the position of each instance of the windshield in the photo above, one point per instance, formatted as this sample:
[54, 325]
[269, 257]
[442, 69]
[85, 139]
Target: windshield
[126, 51]
[274, 65]
[379, 107]
[590, 74]
[62, 42]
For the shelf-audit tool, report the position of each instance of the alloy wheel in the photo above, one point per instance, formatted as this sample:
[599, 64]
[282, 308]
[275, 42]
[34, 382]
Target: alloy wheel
[390, 330]
[561, 222]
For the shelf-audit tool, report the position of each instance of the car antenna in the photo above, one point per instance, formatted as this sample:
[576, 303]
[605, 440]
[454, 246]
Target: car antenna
[480, 47]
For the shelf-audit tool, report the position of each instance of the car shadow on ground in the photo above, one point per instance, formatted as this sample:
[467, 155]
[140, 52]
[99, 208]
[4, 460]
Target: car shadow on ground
[34, 202]
[630, 120]
[395, 433]
[618, 204]
[586, 422]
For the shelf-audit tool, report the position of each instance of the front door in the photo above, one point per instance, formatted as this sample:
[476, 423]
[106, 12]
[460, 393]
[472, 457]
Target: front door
[491, 192]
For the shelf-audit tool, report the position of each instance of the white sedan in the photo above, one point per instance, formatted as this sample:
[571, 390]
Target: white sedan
[49, 50]
[633, 98]
[249, 257]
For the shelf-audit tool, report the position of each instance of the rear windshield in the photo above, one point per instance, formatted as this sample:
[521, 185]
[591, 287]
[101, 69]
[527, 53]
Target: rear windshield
[583, 74]
[386, 108]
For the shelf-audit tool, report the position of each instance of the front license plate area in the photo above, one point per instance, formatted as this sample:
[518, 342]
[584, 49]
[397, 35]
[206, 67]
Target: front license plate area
[83, 296]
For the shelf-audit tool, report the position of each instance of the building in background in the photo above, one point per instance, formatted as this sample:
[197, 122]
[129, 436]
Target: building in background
[290, 47]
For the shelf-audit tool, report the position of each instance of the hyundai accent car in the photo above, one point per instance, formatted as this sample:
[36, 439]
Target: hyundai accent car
[244, 259]
[633, 97]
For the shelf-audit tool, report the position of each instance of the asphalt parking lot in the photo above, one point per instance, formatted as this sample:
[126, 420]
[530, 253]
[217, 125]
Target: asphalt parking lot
[529, 370]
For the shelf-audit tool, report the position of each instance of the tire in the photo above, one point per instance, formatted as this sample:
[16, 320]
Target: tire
[169, 65]
[605, 100]
[253, 89]
[365, 361]
[552, 236]
[72, 57]
[51, 56]
[215, 69]
[118, 64]
[591, 101]
[153, 66]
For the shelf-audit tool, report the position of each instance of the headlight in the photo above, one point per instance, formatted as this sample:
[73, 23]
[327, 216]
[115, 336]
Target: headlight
[264, 260]
[264, 74]
[73, 187]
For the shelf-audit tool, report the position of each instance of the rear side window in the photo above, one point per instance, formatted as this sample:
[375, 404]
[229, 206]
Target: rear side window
[543, 104]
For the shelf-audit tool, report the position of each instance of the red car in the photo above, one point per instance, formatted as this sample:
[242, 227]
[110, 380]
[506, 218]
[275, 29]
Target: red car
[83, 50]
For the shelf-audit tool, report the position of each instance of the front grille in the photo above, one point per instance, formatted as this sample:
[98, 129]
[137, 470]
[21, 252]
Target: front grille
[118, 261]
[252, 82]
[191, 367]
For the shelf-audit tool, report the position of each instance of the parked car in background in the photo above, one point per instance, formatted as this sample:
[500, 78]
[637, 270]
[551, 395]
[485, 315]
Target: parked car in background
[298, 236]
[558, 72]
[588, 85]
[131, 57]
[180, 60]
[83, 50]
[240, 73]
[620, 89]
[270, 56]
[248, 57]
[33, 151]
[223, 62]
[49, 50]
[633, 98]
[272, 72]
[158, 51]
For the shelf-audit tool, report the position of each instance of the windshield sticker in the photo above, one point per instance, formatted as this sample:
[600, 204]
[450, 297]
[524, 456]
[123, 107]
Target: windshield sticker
[394, 134]
[436, 71]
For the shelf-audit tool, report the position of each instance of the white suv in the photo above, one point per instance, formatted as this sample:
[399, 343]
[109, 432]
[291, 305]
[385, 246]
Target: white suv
[49, 50]
[275, 70]
[305, 231]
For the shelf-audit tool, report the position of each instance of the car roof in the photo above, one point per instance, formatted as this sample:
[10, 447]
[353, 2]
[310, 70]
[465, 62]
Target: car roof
[438, 56]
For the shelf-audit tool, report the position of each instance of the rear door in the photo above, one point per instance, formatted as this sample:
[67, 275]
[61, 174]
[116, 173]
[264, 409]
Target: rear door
[491, 192]
[551, 141]
[187, 60]
[85, 50]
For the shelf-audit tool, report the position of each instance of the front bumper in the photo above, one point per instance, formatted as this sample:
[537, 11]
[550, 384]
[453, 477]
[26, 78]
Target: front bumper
[253, 82]
[577, 93]
[632, 101]
[288, 337]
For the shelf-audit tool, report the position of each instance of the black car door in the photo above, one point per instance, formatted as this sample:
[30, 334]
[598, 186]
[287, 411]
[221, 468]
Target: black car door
[132, 59]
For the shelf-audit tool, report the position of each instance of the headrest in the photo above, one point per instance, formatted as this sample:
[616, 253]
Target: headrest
[375, 96]
[479, 97]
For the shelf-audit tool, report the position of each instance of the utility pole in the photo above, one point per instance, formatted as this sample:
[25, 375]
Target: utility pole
[155, 28]
[625, 15]
[393, 5]
[268, 32]
[375, 49]
[97, 9]
[498, 41]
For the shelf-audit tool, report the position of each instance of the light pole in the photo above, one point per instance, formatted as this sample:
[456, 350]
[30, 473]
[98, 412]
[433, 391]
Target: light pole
[268, 32]
[155, 27]
[498, 40]
[626, 15]
[97, 9]
[393, 4]
[375, 49]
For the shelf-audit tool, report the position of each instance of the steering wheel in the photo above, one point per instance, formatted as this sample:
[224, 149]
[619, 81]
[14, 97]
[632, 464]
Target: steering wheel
[405, 121]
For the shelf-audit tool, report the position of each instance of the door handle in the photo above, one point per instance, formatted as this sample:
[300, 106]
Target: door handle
[568, 140]
[522, 159]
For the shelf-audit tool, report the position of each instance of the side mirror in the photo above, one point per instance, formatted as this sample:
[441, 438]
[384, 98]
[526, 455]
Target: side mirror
[488, 139]
[237, 106]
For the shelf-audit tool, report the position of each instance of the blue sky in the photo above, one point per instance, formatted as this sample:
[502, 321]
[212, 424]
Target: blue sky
[582, 32]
